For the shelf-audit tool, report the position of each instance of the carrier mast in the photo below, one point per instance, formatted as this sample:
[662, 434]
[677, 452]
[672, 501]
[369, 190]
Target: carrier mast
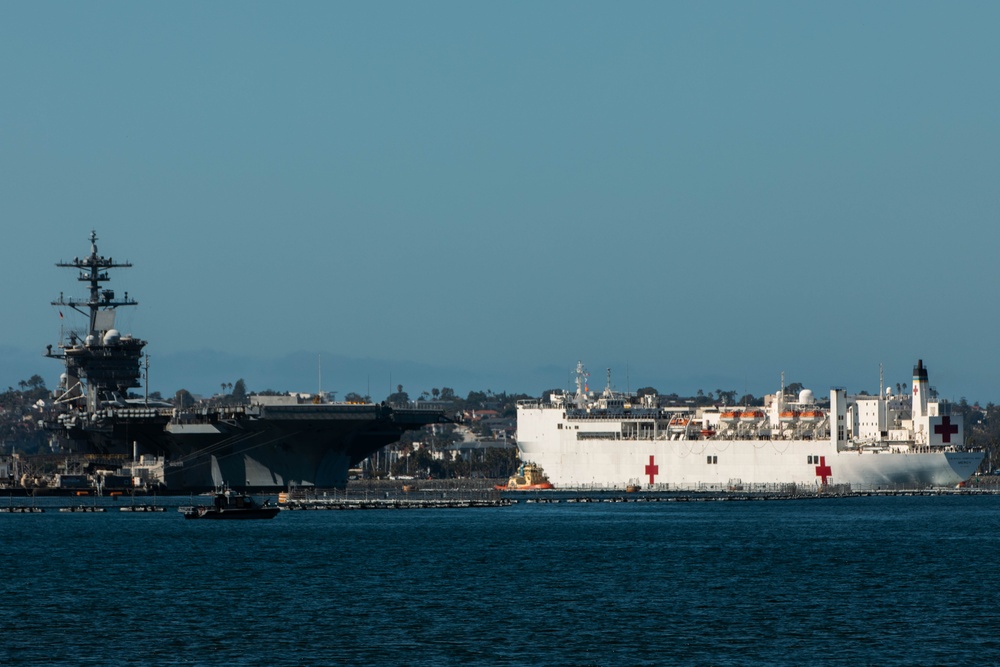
[104, 362]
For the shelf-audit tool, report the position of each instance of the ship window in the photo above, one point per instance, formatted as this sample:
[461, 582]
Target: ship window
[559, 426]
[810, 460]
[709, 459]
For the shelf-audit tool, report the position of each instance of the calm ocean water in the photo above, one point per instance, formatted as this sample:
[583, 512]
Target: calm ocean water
[861, 581]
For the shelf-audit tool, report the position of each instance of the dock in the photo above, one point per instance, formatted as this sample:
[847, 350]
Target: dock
[393, 503]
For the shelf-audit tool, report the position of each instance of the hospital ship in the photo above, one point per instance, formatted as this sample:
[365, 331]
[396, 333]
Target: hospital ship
[611, 440]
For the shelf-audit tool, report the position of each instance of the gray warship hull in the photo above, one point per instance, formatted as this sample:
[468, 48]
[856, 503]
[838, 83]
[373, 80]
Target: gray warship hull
[301, 445]
[253, 448]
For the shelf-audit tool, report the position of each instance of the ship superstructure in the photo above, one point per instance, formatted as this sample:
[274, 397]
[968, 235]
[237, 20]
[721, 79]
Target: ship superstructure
[269, 443]
[614, 440]
[101, 364]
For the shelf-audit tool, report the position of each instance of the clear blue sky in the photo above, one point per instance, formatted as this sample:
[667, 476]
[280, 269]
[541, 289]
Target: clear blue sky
[706, 194]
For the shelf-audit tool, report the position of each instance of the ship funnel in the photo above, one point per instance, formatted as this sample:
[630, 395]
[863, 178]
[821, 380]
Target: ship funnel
[920, 387]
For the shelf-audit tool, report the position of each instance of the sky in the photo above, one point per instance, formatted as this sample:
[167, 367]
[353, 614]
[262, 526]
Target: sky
[696, 195]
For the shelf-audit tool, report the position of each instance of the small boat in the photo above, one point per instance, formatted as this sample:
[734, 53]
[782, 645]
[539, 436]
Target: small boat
[229, 505]
[528, 478]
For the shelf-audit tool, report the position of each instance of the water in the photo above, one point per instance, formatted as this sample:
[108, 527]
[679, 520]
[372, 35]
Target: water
[865, 581]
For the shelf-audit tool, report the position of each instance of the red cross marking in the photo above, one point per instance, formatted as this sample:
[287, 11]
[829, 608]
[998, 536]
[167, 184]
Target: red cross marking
[823, 470]
[946, 428]
[652, 469]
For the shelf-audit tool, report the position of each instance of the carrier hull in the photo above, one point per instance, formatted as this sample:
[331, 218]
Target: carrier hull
[262, 448]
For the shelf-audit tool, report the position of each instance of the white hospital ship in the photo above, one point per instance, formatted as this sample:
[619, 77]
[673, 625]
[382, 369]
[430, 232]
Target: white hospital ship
[616, 441]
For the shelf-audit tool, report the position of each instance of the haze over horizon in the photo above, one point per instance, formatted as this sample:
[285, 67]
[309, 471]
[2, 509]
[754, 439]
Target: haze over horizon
[475, 196]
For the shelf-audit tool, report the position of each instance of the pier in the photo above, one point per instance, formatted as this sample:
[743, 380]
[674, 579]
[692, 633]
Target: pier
[473, 494]
[394, 503]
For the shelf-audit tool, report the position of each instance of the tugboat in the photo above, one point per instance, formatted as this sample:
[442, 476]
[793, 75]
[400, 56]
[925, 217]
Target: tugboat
[229, 505]
[529, 477]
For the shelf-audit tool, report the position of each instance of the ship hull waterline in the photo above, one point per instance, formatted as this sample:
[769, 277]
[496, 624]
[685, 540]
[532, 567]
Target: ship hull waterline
[685, 465]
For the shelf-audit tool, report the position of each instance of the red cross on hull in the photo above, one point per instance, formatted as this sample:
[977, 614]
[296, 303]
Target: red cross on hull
[823, 471]
[652, 469]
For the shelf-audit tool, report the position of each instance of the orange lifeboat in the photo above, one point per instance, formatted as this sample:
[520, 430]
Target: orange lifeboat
[811, 415]
[729, 416]
[788, 416]
[678, 424]
[751, 416]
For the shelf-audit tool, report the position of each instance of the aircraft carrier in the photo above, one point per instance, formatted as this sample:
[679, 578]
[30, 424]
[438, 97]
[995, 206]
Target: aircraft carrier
[267, 443]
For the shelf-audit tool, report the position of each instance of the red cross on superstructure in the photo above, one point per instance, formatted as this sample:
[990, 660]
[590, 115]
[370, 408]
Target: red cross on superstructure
[823, 470]
[946, 428]
[652, 469]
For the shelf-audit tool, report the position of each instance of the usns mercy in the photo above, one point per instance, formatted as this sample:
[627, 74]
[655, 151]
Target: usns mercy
[615, 441]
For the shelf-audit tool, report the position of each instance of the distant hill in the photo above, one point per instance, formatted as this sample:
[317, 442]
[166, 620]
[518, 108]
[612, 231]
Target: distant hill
[203, 371]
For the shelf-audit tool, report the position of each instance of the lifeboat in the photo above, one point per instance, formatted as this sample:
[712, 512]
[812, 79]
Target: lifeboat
[751, 416]
[729, 416]
[788, 416]
[811, 415]
[679, 424]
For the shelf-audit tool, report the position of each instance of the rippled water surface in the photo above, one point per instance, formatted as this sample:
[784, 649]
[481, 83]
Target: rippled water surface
[864, 581]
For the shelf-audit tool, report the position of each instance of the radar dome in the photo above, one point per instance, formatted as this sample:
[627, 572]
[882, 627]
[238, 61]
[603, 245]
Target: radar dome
[112, 336]
[806, 397]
